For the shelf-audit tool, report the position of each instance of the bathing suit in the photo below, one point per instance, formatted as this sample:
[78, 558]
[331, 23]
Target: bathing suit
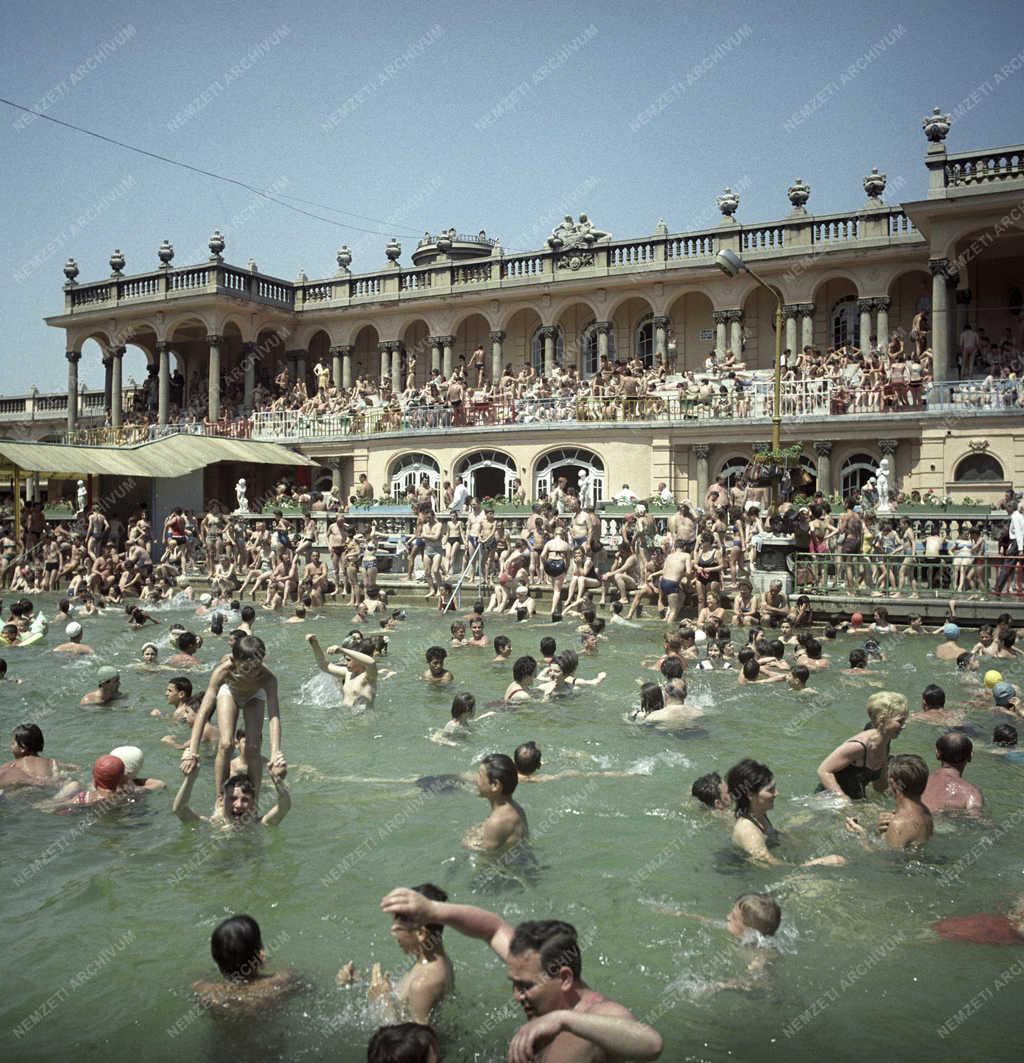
[854, 778]
[668, 586]
[554, 566]
[260, 695]
[772, 837]
[433, 549]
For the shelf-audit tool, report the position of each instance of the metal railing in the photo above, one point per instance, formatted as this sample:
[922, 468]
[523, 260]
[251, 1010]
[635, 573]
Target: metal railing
[964, 395]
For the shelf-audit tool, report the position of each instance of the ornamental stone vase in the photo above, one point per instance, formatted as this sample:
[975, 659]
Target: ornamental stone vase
[936, 126]
[71, 270]
[216, 244]
[728, 203]
[393, 250]
[166, 254]
[799, 192]
[344, 257]
[874, 184]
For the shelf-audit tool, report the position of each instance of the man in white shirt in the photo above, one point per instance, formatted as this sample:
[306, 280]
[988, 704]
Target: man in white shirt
[459, 497]
[1014, 552]
[664, 494]
[625, 496]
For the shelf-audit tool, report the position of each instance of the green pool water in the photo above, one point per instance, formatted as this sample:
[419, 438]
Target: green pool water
[105, 926]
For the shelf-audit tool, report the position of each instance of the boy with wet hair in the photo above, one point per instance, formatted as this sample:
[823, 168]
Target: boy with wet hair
[711, 790]
[911, 823]
[403, 1042]
[237, 948]
[436, 672]
[754, 911]
[502, 648]
[496, 781]
[527, 758]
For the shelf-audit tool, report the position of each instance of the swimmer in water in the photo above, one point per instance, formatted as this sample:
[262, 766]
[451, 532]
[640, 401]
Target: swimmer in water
[506, 825]
[711, 790]
[560, 679]
[108, 689]
[523, 672]
[947, 790]
[428, 981]
[237, 948]
[910, 825]
[543, 961]
[29, 767]
[527, 757]
[502, 649]
[357, 678]
[236, 806]
[411, 1042]
[436, 673]
[463, 711]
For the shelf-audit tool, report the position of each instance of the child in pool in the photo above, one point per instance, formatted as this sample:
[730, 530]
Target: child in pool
[237, 949]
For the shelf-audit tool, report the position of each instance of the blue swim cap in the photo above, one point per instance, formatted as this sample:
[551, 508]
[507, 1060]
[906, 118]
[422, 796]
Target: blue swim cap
[951, 631]
[1002, 692]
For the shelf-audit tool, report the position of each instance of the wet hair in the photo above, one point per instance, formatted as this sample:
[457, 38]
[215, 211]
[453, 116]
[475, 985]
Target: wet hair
[708, 789]
[527, 758]
[432, 893]
[376, 645]
[458, 625]
[1005, 734]
[217, 624]
[597, 625]
[555, 943]
[235, 945]
[812, 647]
[548, 646]
[248, 648]
[182, 684]
[29, 737]
[241, 780]
[963, 661]
[801, 673]
[672, 668]
[885, 705]
[463, 705]
[568, 661]
[673, 643]
[404, 1042]
[523, 667]
[909, 773]
[751, 669]
[933, 696]
[954, 747]
[760, 912]
[248, 614]
[744, 780]
[187, 642]
[830, 631]
[501, 643]
[652, 698]
[858, 658]
[746, 654]
[676, 688]
[435, 653]
[502, 770]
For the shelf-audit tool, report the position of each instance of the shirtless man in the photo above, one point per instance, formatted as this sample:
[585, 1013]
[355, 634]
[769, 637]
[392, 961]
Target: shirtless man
[29, 767]
[567, 1021]
[496, 781]
[911, 823]
[950, 649]
[683, 527]
[337, 537]
[947, 791]
[456, 394]
[357, 678]
[74, 645]
[774, 604]
[96, 533]
[673, 576]
[236, 804]
[108, 689]
[240, 682]
[675, 710]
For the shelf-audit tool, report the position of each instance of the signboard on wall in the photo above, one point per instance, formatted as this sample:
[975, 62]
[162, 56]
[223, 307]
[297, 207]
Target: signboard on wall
[707, 334]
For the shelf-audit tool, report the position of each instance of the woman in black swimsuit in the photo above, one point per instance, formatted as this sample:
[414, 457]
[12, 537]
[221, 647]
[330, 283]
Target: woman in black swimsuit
[708, 568]
[864, 758]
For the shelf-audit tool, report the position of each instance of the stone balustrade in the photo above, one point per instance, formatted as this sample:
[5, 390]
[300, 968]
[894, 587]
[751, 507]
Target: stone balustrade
[38, 406]
[969, 168]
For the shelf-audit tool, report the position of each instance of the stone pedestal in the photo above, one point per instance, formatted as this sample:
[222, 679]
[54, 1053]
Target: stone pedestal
[772, 563]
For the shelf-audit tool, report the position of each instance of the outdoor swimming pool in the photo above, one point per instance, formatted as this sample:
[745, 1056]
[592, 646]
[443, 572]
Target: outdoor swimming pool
[107, 921]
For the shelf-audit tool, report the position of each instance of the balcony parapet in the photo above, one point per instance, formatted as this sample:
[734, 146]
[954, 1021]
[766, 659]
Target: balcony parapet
[38, 406]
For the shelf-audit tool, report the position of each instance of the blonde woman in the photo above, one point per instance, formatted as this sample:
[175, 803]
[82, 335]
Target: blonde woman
[864, 758]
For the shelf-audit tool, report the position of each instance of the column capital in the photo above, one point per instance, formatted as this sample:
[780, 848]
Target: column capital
[888, 446]
[661, 321]
[498, 335]
[383, 347]
[395, 345]
[963, 296]
[939, 267]
[823, 448]
[701, 450]
[73, 356]
[447, 341]
[882, 302]
[865, 305]
[344, 350]
[214, 339]
[720, 317]
[548, 332]
[119, 352]
[163, 346]
[296, 352]
[248, 346]
[437, 341]
[603, 328]
[733, 315]
[791, 311]
[807, 309]
[107, 359]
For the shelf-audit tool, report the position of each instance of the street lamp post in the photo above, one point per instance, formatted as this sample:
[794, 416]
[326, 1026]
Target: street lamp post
[731, 264]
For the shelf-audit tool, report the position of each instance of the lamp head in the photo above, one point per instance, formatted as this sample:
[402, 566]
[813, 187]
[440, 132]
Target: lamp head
[729, 262]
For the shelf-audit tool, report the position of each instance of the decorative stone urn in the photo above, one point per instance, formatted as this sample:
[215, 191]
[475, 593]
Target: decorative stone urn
[344, 257]
[393, 250]
[166, 254]
[444, 242]
[874, 184]
[71, 270]
[251, 266]
[300, 277]
[661, 229]
[936, 126]
[799, 192]
[117, 262]
[216, 245]
[728, 203]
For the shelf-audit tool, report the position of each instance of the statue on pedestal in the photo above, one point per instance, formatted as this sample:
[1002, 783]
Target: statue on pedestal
[882, 485]
[243, 501]
[82, 496]
[586, 489]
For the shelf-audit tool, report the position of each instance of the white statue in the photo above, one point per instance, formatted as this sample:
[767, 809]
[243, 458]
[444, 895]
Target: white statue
[882, 484]
[82, 495]
[243, 501]
[586, 489]
[323, 376]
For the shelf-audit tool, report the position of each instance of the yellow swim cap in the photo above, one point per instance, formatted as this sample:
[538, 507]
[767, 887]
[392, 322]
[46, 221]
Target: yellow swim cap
[992, 677]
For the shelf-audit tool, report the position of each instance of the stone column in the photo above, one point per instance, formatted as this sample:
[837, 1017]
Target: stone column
[548, 334]
[163, 390]
[603, 330]
[116, 387]
[939, 318]
[213, 395]
[661, 324]
[108, 368]
[384, 350]
[806, 325]
[346, 365]
[497, 356]
[864, 306]
[73, 357]
[335, 353]
[882, 322]
[792, 312]
[701, 452]
[823, 448]
[447, 343]
[397, 383]
[436, 343]
[249, 369]
[720, 318]
[736, 333]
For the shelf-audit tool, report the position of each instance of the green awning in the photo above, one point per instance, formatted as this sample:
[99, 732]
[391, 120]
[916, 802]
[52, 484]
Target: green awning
[174, 456]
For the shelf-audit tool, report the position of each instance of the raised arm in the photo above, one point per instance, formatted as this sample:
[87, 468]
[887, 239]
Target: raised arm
[181, 799]
[368, 662]
[203, 713]
[284, 801]
[609, 1026]
[473, 922]
[321, 659]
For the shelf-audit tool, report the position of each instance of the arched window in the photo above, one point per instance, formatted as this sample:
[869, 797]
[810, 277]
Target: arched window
[407, 470]
[855, 473]
[569, 462]
[732, 469]
[846, 322]
[588, 350]
[978, 468]
[537, 349]
[487, 473]
[643, 340]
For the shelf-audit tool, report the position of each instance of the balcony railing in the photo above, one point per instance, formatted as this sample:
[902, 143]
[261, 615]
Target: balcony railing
[983, 396]
[54, 406]
[996, 165]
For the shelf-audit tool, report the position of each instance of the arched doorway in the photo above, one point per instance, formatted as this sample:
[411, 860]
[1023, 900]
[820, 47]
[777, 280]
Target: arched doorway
[407, 471]
[978, 469]
[732, 469]
[844, 323]
[487, 473]
[537, 349]
[568, 462]
[855, 473]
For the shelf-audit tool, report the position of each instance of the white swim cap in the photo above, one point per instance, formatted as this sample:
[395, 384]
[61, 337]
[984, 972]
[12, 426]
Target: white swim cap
[132, 758]
[73, 630]
[205, 599]
[700, 636]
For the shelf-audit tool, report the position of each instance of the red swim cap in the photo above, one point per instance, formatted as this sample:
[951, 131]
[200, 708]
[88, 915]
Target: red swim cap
[108, 772]
[857, 618]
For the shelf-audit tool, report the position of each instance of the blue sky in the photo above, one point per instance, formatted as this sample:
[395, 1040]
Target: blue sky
[501, 116]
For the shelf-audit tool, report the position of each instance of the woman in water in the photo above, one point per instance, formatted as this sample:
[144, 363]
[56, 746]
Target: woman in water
[864, 758]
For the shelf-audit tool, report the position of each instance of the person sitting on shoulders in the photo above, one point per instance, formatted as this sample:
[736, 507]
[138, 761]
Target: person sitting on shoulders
[237, 807]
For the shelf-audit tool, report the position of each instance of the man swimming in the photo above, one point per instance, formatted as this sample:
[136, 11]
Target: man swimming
[496, 781]
[357, 678]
